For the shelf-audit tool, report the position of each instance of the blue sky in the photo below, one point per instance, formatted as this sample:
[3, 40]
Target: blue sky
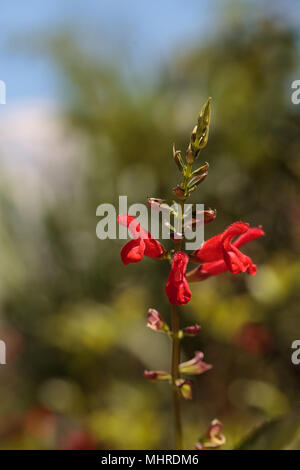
[151, 31]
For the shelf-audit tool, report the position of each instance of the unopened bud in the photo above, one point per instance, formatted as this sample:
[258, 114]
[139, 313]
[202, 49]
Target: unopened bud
[179, 192]
[156, 321]
[178, 159]
[201, 170]
[156, 375]
[155, 202]
[192, 330]
[206, 216]
[196, 180]
[209, 215]
[185, 388]
[189, 155]
[159, 205]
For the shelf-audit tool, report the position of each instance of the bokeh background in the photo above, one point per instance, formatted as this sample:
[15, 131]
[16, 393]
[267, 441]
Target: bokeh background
[97, 92]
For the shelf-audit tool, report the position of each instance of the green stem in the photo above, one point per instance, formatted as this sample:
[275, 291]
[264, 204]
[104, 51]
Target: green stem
[175, 376]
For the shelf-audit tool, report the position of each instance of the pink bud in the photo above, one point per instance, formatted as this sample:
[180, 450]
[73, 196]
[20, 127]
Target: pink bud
[192, 330]
[179, 192]
[156, 375]
[156, 321]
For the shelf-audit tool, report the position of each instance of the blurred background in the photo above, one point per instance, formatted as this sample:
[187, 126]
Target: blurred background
[97, 92]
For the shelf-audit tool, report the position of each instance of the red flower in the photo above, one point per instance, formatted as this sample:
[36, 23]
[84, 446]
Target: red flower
[219, 253]
[142, 243]
[177, 288]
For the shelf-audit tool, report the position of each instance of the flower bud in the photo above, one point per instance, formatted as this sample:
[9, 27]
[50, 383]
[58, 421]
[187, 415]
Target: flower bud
[209, 215]
[200, 133]
[179, 192]
[195, 181]
[191, 330]
[178, 159]
[159, 205]
[189, 155]
[185, 388]
[198, 218]
[201, 170]
[195, 365]
[156, 375]
[156, 321]
[213, 438]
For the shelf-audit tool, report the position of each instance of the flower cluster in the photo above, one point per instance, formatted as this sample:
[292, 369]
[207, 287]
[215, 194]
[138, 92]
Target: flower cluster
[217, 255]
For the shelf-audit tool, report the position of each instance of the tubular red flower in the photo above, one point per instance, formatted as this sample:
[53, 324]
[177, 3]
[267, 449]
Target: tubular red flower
[142, 243]
[220, 254]
[177, 288]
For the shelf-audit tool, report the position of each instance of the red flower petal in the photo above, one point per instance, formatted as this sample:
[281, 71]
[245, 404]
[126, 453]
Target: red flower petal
[233, 230]
[133, 225]
[151, 248]
[206, 270]
[212, 249]
[133, 251]
[249, 236]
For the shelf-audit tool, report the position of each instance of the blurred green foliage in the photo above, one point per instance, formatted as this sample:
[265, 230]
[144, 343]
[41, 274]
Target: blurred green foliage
[74, 317]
